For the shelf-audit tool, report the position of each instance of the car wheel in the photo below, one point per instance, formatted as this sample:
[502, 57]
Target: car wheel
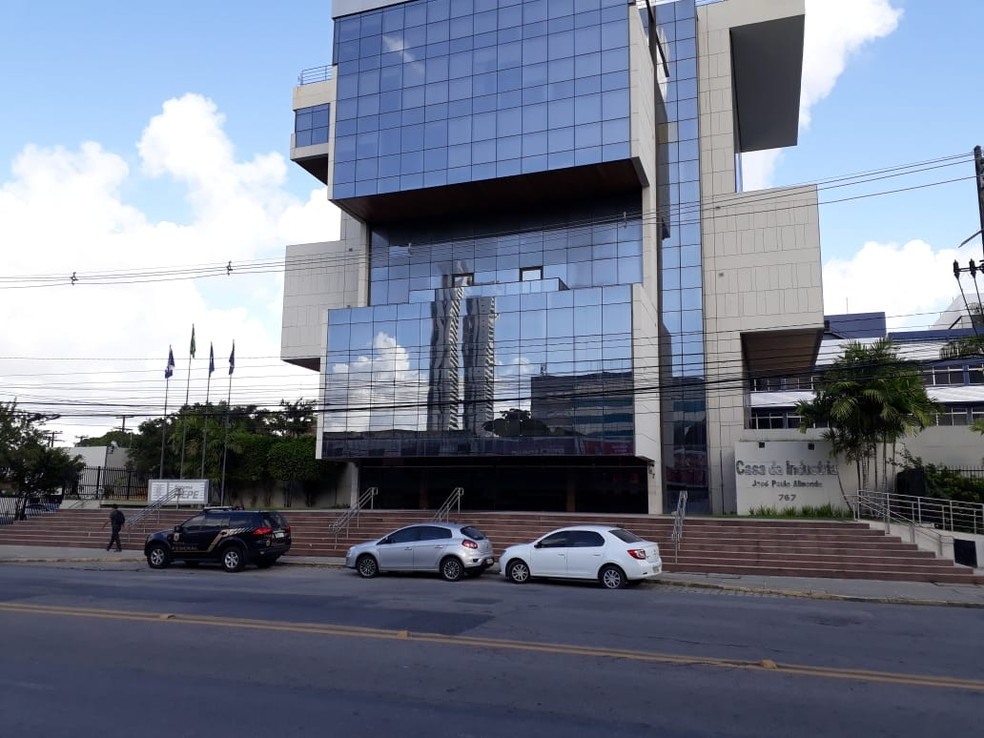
[158, 557]
[367, 566]
[518, 572]
[233, 559]
[611, 577]
[452, 569]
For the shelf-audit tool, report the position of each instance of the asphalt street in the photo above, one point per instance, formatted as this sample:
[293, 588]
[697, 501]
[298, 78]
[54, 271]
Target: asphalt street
[311, 651]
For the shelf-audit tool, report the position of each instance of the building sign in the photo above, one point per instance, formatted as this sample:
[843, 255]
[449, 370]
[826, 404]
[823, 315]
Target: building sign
[178, 491]
[783, 474]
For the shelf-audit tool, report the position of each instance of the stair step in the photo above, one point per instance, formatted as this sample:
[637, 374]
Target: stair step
[841, 549]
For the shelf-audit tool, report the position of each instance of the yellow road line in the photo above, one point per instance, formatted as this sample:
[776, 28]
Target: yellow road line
[764, 665]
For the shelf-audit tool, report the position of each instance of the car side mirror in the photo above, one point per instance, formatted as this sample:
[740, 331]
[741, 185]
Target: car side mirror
[538, 545]
[385, 540]
[178, 528]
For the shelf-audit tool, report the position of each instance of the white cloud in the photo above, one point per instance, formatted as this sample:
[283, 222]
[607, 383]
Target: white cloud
[383, 380]
[911, 283]
[836, 30]
[63, 211]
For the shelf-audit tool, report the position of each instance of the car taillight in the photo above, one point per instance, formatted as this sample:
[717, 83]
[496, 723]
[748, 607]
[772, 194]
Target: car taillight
[262, 531]
[638, 553]
[469, 544]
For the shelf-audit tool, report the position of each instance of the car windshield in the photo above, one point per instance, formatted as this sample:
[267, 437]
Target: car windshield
[474, 533]
[625, 535]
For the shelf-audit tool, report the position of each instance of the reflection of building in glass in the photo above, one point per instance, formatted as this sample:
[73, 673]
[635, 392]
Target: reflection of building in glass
[444, 392]
[479, 371]
[549, 288]
[587, 405]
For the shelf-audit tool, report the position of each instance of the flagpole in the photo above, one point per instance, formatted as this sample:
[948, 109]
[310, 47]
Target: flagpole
[168, 371]
[184, 420]
[225, 445]
[167, 382]
[208, 385]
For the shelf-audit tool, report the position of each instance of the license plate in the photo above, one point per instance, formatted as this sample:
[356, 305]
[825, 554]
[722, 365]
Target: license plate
[279, 534]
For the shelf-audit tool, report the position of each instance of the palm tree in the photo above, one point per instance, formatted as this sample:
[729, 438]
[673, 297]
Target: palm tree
[868, 398]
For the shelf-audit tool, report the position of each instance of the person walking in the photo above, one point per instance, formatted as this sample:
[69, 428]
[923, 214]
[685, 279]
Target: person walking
[116, 520]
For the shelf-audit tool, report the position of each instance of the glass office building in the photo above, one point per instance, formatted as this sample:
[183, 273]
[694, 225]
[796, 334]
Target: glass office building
[521, 193]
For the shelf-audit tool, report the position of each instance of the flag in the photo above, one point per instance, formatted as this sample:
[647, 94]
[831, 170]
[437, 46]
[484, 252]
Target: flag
[169, 369]
[211, 359]
[232, 358]
[192, 349]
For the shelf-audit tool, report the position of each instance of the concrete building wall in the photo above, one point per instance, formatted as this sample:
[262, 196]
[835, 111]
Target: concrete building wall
[761, 272]
[645, 374]
[318, 277]
[761, 250]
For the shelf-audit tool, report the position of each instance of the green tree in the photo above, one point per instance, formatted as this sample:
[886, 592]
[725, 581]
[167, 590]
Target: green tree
[292, 462]
[27, 463]
[868, 399]
[516, 422]
[292, 420]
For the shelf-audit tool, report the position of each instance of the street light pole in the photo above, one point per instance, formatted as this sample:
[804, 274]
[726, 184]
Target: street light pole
[979, 172]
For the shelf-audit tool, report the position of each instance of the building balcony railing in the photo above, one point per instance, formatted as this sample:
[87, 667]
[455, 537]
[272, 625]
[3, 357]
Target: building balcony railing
[314, 74]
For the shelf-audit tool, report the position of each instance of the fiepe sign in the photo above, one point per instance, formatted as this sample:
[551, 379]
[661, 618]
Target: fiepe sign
[781, 474]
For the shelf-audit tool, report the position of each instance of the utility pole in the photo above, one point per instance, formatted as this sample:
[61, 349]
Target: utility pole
[979, 170]
[123, 428]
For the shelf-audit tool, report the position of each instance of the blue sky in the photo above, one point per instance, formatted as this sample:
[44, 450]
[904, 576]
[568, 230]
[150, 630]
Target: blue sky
[150, 194]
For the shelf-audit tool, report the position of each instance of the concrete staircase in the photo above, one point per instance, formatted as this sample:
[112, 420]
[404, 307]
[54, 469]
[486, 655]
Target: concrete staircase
[843, 550]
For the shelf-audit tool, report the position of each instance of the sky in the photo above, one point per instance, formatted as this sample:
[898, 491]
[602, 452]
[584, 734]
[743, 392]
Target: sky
[144, 148]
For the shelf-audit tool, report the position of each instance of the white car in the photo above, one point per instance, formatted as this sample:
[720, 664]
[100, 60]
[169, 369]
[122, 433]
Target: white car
[614, 556]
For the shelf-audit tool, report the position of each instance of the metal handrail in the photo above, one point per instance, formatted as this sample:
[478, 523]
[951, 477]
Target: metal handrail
[947, 515]
[927, 516]
[343, 521]
[314, 74]
[454, 500]
[676, 537]
[154, 507]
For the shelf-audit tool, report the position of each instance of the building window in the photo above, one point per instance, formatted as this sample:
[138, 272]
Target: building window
[311, 125]
[953, 416]
[975, 374]
[944, 375]
[530, 274]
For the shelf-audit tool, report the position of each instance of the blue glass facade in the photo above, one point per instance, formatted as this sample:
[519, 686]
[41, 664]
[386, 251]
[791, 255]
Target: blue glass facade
[498, 345]
[481, 342]
[311, 125]
[682, 372]
[439, 92]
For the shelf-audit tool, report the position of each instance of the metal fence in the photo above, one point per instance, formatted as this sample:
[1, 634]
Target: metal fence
[931, 512]
[102, 483]
[22, 507]
[314, 74]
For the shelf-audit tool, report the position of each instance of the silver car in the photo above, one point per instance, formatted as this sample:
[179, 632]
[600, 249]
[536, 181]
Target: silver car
[449, 548]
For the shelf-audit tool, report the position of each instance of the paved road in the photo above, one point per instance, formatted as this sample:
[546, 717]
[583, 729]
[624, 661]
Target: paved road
[297, 651]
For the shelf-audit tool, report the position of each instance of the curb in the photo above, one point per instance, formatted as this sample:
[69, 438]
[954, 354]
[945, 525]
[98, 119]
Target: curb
[797, 594]
[819, 595]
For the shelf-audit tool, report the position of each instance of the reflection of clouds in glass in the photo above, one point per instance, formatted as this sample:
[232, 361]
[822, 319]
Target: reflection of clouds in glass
[383, 382]
[512, 384]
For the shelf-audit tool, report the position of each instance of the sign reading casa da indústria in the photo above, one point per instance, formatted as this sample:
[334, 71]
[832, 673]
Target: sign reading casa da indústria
[782, 474]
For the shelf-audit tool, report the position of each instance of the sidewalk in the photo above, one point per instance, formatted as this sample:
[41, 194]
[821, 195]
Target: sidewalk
[847, 590]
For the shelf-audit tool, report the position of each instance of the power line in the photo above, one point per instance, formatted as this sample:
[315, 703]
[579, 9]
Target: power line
[741, 200]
